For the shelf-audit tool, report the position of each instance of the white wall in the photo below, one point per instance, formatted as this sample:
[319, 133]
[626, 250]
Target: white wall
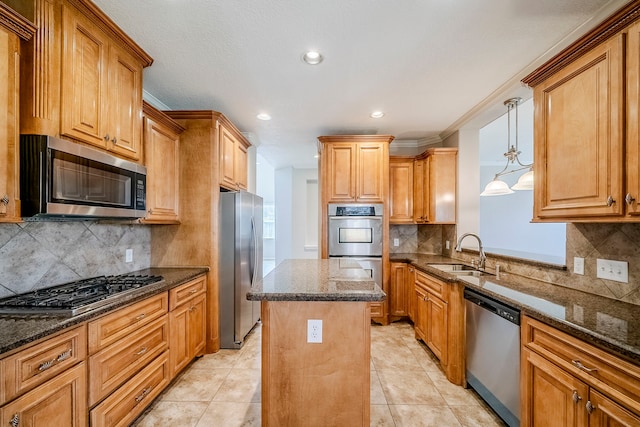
[265, 188]
[284, 211]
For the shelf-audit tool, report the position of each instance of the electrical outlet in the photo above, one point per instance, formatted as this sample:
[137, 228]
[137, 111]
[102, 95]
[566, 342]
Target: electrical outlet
[128, 255]
[613, 270]
[447, 244]
[314, 330]
[396, 242]
[578, 265]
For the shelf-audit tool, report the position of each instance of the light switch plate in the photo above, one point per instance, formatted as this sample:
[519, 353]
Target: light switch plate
[578, 265]
[128, 255]
[613, 270]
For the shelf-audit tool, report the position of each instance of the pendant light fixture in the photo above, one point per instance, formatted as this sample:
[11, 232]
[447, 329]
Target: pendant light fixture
[497, 187]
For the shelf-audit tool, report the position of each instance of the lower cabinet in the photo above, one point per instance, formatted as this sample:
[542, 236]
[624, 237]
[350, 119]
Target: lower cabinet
[438, 316]
[60, 401]
[398, 301]
[568, 382]
[187, 322]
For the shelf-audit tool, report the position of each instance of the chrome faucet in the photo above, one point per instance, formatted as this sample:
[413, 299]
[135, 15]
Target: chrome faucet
[483, 257]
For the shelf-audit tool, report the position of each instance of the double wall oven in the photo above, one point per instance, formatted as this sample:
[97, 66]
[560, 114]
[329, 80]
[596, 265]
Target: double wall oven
[355, 232]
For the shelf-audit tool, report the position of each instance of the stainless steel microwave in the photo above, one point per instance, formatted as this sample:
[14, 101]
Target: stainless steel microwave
[65, 179]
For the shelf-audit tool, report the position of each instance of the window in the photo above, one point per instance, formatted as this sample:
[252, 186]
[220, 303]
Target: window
[268, 221]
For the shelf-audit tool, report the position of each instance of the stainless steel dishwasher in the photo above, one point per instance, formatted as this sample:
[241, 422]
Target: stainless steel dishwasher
[493, 354]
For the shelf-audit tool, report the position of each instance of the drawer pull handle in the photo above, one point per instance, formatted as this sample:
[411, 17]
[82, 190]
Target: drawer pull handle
[576, 397]
[140, 317]
[193, 291]
[142, 351]
[144, 394]
[15, 420]
[579, 365]
[49, 363]
[590, 407]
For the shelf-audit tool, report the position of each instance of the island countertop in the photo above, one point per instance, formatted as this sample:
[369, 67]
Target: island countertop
[317, 280]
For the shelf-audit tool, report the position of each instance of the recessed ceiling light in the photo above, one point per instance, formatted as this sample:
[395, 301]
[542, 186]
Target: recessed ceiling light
[263, 116]
[312, 57]
[376, 114]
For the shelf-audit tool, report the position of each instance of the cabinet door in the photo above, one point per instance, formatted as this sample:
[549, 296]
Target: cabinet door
[179, 354]
[228, 145]
[370, 164]
[421, 313]
[400, 191]
[197, 325]
[632, 197]
[125, 103]
[437, 327]
[61, 401]
[163, 169]
[579, 137]
[398, 295]
[420, 191]
[604, 412]
[411, 295]
[9, 60]
[551, 397]
[84, 82]
[240, 166]
[442, 171]
[342, 172]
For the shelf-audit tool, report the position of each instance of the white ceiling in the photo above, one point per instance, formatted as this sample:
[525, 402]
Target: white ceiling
[430, 65]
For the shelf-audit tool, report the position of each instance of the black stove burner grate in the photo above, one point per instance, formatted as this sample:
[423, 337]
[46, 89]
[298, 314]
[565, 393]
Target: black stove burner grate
[76, 297]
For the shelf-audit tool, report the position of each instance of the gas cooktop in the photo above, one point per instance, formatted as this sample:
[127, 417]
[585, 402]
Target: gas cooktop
[78, 297]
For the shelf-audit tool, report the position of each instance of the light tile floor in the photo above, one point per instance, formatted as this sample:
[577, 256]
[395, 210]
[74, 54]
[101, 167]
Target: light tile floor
[408, 388]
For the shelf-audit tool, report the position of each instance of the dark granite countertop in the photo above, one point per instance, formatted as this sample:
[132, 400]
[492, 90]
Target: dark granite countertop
[18, 330]
[317, 280]
[609, 324]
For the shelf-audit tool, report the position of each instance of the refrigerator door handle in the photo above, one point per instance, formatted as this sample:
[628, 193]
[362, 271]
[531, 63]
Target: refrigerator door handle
[254, 242]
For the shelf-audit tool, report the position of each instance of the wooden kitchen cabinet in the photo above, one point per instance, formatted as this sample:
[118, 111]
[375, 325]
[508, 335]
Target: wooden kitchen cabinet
[410, 291]
[354, 168]
[233, 157]
[401, 190]
[162, 159]
[568, 382]
[60, 401]
[398, 305]
[434, 186]
[81, 77]
[13, 28]
[187, 323]
[438, 315]
[586, 132]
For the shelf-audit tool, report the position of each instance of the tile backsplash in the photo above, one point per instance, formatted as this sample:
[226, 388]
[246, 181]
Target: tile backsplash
[40, 254]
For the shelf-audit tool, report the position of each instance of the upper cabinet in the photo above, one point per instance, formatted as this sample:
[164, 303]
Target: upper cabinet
[353, 168]
[84, 78]
[423, 190]
[12, 28]
[162, 158]
[586, 134]
[233, 156]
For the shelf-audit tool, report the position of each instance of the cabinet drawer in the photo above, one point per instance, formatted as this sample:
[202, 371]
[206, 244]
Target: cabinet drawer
[376, 309]
[115, 364]
[432, 285]
[596, 367]
[123, 322]
[126, 403]
[182, 293]
[40, 362]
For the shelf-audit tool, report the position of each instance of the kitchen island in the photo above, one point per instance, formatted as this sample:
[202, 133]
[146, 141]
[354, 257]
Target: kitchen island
[316, 342]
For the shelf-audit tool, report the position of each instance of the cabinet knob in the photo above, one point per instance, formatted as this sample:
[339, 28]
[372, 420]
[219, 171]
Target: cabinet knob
[106, 137]
[629, 199]
[610, 201]
[590, 407]
[114, 140]
[5, 200]
[575, 396]
[15, 420]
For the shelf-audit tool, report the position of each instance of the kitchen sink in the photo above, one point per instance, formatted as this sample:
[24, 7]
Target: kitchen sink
[459, 269]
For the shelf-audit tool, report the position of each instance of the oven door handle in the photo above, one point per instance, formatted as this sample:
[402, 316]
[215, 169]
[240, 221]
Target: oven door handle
[375, 218]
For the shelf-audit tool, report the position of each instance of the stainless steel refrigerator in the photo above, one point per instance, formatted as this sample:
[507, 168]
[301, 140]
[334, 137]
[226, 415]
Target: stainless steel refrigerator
[240, 266]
